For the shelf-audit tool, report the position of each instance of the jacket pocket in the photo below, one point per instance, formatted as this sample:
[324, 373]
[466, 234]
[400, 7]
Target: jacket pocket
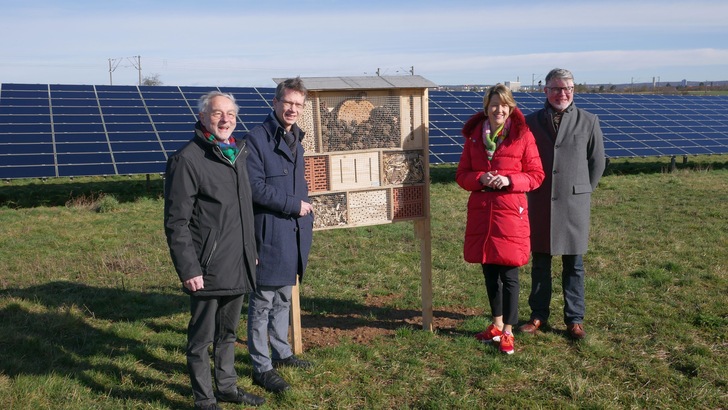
[208, 248]
[276, 171]
[582, 189]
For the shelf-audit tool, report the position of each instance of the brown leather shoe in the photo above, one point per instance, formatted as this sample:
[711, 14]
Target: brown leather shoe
[531, 326]
[576, 331]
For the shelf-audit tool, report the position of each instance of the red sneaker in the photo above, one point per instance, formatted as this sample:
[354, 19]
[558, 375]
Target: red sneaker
[491, 334]
[506, 343]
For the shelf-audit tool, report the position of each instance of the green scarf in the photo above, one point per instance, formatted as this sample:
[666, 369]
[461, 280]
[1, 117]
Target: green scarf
[493, 139]
[229, 149]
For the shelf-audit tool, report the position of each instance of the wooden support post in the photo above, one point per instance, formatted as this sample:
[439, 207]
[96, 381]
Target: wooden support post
[422, 230]
[297, 339]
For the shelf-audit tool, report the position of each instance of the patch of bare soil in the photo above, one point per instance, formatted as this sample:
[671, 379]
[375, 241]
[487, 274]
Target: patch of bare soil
[361, 324]
[377, 319]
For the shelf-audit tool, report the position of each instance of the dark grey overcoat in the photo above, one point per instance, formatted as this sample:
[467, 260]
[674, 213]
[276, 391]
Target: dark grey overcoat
[573, 161]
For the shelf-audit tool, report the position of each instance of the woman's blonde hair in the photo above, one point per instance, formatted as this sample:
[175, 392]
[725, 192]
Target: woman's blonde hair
[503, 92]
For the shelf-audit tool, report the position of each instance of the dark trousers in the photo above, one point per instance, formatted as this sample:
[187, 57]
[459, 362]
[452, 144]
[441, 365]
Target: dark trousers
[572, 283]
[214, 321]
[501, 283]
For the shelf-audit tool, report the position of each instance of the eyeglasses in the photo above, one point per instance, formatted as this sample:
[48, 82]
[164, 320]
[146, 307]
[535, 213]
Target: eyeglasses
[558, 90]
[290, 104]
[217, 114]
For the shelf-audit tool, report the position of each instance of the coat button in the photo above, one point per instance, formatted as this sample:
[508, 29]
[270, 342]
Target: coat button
[285, 171]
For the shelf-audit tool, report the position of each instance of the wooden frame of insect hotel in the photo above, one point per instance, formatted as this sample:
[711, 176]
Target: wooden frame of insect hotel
[366, 157]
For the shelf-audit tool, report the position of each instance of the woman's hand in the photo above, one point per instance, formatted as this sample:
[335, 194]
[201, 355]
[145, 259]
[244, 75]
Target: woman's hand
[493, 180]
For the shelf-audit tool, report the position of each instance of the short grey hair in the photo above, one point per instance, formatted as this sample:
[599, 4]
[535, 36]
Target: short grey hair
[559, 73]
[204, 104]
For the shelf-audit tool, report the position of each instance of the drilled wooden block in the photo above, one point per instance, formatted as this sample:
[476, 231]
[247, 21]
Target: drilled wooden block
[368, 207]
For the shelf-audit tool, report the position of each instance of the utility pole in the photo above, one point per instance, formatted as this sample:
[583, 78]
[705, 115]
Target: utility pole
[138, 66]
[113, 63]
[412, 70]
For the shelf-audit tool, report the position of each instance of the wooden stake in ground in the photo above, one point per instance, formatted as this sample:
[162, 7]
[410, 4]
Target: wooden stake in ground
[295, 329]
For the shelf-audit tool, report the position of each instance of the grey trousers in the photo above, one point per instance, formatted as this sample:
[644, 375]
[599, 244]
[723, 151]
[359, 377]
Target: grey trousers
[268, 318]
[572, 283]
[214, 321]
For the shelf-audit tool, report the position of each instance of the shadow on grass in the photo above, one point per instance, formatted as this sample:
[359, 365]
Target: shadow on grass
[347, 315]
[58, 193]
[53, 329]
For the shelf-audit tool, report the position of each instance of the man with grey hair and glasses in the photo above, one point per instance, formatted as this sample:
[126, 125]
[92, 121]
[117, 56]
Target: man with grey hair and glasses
[571, 146]
[208, 220]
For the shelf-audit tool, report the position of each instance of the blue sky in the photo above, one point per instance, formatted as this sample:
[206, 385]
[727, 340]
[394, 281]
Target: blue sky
[247, 43]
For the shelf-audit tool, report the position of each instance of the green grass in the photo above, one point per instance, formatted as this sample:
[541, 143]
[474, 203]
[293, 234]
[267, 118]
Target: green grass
[93, 318]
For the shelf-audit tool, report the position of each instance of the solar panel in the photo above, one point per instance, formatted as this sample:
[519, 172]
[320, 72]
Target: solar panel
[103, 130]
[74, 130]
[633, 125]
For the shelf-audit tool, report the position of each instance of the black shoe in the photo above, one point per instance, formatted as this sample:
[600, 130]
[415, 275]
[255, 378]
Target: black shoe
[240, 396]
[292, 361]
[271, 381]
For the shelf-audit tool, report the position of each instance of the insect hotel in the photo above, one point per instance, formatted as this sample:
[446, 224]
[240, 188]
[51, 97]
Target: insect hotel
[366, 156]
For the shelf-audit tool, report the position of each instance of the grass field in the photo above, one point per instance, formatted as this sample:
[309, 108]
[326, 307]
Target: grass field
[93, 318]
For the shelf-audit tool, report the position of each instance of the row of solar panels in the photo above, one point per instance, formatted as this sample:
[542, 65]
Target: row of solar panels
[74, 130]
[633, 125]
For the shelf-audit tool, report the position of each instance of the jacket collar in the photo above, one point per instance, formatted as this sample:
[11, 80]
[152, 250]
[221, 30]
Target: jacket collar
[275, 131]
[547, 119]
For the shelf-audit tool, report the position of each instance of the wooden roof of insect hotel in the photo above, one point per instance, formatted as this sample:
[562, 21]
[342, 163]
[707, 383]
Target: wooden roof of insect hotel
[364, 82]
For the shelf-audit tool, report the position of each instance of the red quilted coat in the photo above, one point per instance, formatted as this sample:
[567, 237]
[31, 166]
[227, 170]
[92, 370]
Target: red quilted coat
[497, 229]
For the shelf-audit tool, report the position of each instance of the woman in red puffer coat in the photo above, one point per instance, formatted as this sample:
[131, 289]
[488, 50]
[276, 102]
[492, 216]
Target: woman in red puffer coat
[499, 164]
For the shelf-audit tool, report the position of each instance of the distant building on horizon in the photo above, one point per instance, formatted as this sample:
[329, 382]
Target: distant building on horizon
[514, 86]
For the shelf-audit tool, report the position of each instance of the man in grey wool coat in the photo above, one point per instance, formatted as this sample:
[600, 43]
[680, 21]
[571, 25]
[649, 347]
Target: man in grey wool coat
[571, 146]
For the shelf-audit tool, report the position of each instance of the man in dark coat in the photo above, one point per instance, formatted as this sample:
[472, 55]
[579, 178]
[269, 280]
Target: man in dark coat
[208, 220]
[283, 232]
[571, 146]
